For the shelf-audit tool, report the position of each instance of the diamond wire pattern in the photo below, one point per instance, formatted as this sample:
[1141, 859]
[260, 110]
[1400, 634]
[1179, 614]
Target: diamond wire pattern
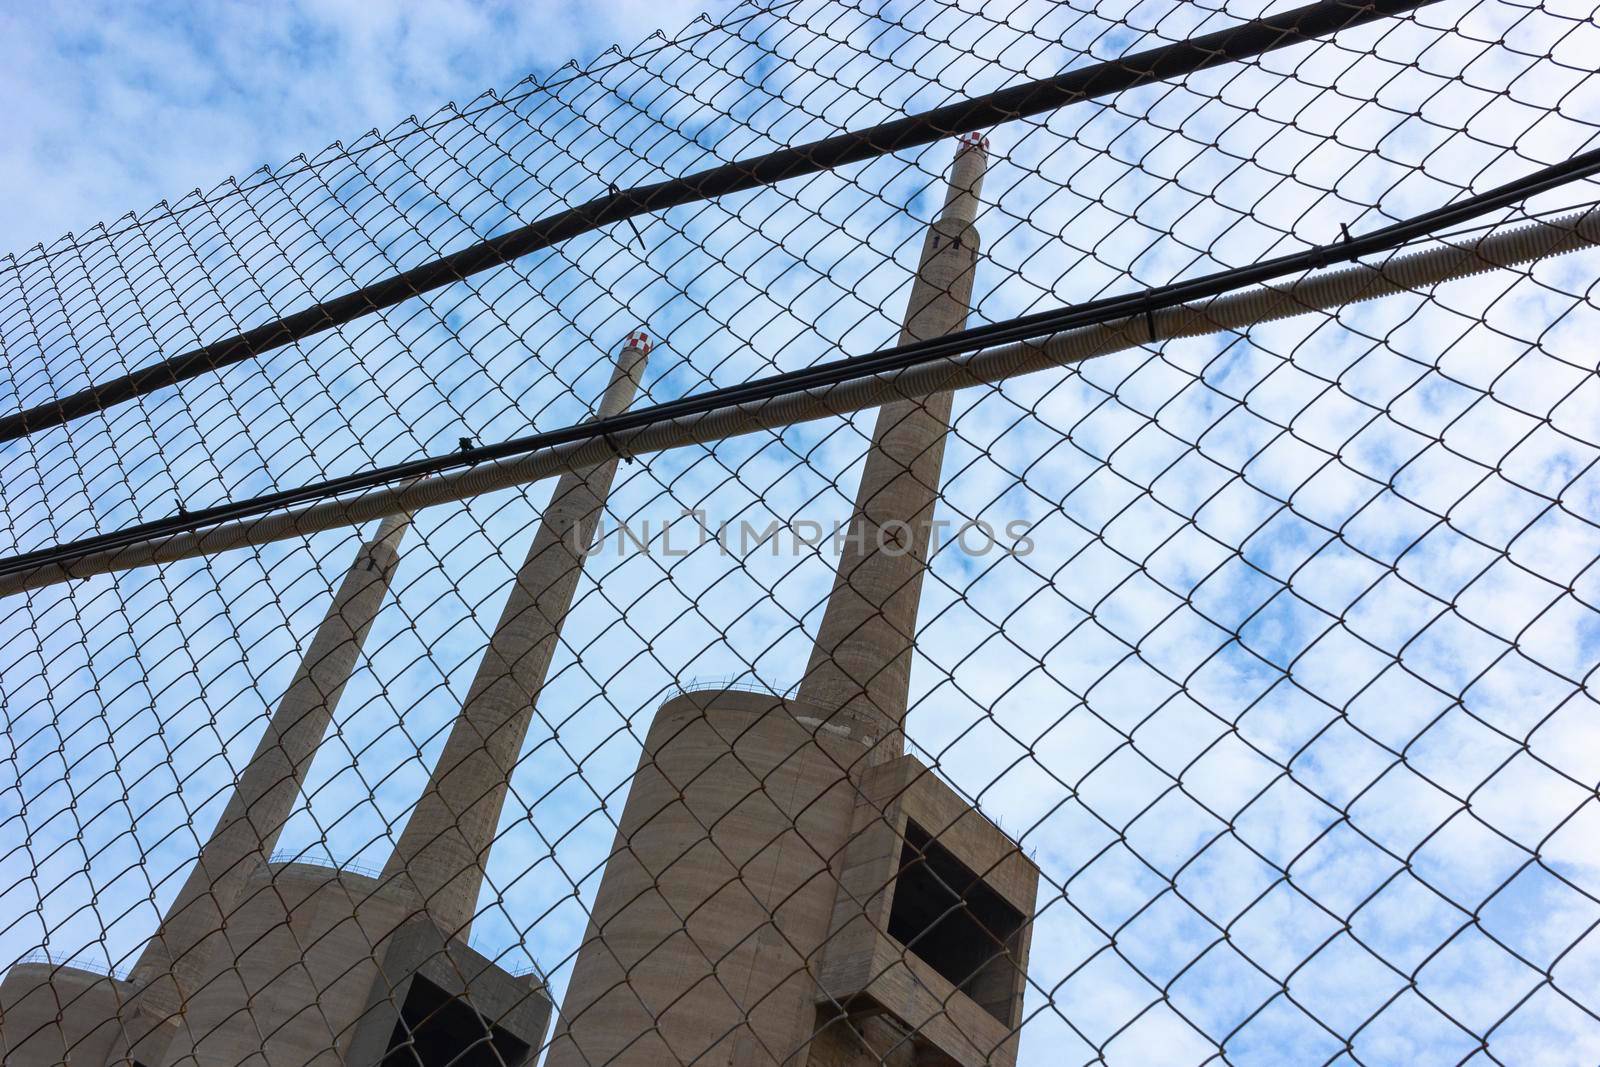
[1291, 702]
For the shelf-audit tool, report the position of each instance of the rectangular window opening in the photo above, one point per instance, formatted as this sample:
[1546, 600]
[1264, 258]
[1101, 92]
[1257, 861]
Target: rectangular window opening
[435, 1028]
[955, 923]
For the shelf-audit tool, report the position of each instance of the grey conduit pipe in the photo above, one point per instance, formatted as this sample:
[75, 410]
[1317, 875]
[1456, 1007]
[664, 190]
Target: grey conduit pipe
[1450, 259]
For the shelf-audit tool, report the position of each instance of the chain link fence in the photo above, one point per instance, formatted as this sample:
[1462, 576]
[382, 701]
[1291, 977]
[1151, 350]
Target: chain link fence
[529, 586]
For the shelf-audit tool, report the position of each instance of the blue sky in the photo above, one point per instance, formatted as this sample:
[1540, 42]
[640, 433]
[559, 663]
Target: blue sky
[1301, 657]
[114, 107]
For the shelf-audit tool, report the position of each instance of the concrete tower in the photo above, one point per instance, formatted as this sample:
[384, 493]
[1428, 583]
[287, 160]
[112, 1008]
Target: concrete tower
[342, 967]
[785, 886]
[171, 968]
[292, 963]
[446, 842]
[862, 658]
[245, 835]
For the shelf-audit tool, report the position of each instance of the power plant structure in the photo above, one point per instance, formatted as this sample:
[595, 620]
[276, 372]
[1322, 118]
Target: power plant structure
[787, 885]
[1272, 362]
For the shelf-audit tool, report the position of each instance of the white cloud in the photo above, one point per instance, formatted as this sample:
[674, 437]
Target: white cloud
[1188, 742]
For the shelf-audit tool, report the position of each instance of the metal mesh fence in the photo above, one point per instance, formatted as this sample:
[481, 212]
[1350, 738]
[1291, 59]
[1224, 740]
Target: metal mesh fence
[1221, 692]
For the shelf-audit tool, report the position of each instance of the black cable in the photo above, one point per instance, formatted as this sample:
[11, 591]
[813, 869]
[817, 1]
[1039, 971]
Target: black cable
[835, 372]
[415, 127]
[1032, 98]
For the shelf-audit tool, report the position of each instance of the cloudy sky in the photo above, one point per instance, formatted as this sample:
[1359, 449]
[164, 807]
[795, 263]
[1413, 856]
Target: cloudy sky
[1289, 704]
[114, 107]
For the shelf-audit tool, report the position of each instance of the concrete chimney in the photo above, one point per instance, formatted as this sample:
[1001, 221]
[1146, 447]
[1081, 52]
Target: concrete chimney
[446, 842]
[746, 899]
[175, 958]
[861, 662]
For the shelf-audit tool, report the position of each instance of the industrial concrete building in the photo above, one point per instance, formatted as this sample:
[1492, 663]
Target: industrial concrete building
[268, 963]
[787, 885]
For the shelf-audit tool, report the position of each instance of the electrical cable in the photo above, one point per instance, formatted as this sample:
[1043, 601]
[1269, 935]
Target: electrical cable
[1166, 312]
[1166, 62]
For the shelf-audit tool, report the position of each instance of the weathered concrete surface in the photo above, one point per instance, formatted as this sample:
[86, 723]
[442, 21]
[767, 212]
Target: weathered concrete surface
[861, 963]
[443, 849]
[323, 951]
[745, 904]
[718, 891]
[308, 940]
[862, 656]
[514, 1006]
[857, 1041]
[52, 1014]
[193, 928]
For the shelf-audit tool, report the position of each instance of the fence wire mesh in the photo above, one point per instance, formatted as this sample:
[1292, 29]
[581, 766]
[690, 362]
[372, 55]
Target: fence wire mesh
[1251, 711]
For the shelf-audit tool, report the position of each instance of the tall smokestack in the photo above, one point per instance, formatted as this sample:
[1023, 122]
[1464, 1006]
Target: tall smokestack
[446, 842]
[742, 901]
[175, 959]
[861, 662]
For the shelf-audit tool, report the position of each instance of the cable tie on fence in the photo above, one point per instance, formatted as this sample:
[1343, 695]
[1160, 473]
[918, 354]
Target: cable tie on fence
[611, 443]
[616, 191]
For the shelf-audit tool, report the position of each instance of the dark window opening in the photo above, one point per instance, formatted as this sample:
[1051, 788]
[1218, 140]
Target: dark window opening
[435, 1029]
[956, 924]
